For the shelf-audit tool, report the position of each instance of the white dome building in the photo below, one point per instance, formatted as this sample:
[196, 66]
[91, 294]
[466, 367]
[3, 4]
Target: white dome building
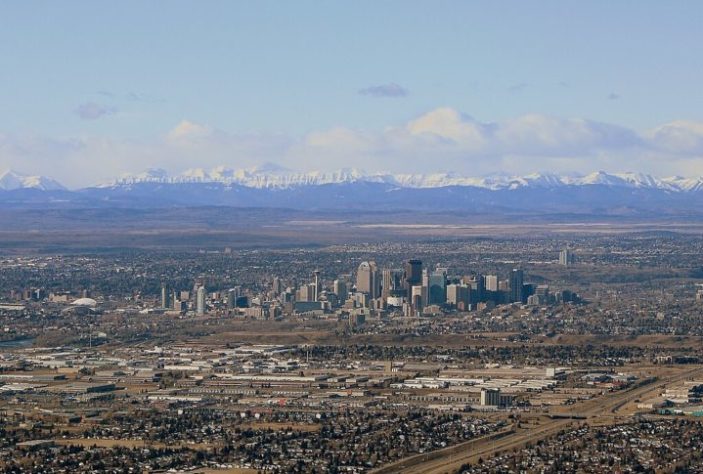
[90, 302]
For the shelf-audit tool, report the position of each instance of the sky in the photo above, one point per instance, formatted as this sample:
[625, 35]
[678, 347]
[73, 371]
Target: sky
[93, 90]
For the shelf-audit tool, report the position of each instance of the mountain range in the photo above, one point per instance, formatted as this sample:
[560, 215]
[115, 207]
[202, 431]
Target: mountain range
[269, 185]
[273, 176]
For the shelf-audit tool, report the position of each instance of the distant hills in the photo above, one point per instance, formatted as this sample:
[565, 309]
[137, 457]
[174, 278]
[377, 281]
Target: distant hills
[599, 193]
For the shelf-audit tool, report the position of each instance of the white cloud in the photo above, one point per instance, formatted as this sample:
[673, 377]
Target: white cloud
[544, 135]
[340, 138]
[187, 130]
[447, 123]
[680, 136]
[440, 140]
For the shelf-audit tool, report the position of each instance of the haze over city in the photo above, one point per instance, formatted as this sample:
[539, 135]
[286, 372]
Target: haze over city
[363, 237]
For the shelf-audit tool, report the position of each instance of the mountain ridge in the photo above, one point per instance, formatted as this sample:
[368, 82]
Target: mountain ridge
[284, 178]
[600, 193]
[272, 176]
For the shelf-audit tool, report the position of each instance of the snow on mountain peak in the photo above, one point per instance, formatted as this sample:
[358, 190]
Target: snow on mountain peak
[196, 174]
[600, 177]
[270, 175]
[11, 180]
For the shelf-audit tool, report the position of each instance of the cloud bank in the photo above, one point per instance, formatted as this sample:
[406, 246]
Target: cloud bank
[392, 90]
[442, 139]
[93, 111]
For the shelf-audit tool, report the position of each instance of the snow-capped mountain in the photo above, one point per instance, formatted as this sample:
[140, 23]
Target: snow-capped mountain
[266, 176]
[11, 180]
[273, 176]
[271, 186]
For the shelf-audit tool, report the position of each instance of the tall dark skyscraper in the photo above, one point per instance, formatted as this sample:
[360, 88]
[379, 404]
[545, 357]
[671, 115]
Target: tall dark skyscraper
[480, 287]
[437, 288]
[413, 274]
[164, 296]
[516, 284]
[317, 282]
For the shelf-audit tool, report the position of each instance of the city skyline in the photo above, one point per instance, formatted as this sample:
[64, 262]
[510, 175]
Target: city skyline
[351, 237]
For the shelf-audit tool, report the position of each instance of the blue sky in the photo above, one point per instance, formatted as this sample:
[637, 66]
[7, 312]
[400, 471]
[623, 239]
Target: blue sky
[94, 89]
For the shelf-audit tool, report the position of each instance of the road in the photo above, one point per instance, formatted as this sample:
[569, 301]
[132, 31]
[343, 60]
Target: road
[601, 410]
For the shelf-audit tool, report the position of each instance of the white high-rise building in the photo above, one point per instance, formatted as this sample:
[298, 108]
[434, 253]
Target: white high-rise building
[418, 296]
[367, 279]
[457, 294]
[304, 293]
[317, 284]
[566, 257]
[363, 278]
[491, 282]
[200, 301]
[277, 286]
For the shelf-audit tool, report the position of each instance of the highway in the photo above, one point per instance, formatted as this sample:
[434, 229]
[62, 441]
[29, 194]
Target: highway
[601, 410]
